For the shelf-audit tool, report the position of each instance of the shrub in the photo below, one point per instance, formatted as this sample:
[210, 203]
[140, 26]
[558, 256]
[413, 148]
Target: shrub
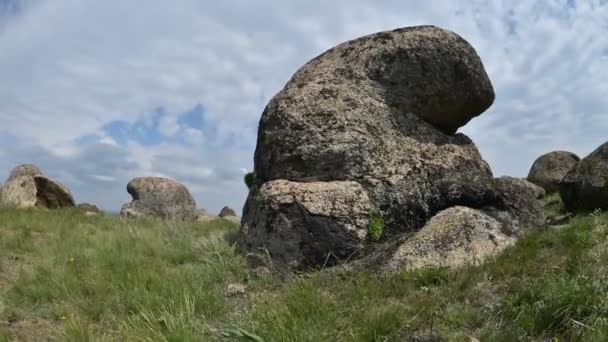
[375, 227]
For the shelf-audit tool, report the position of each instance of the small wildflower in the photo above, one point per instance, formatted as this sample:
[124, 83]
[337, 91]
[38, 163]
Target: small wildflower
[63, 318]
[71, 259]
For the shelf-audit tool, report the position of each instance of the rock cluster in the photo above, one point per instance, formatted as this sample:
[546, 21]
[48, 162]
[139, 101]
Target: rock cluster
[360, 147]
[26, 187]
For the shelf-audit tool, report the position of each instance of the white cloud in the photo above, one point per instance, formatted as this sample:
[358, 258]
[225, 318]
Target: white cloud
[69, 67]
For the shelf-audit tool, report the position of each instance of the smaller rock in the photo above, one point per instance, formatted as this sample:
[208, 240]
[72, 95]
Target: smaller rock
[454, 237]
[204, 216]
[227, 211]
[235, 290]
[89, 209]
[538, 191]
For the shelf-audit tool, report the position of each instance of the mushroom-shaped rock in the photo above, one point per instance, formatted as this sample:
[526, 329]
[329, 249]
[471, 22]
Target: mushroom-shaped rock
[548, 170]
[369, 124]
[160, 197]
[585, 186]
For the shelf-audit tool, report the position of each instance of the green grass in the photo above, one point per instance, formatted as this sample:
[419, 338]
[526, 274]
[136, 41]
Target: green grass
[70, 277]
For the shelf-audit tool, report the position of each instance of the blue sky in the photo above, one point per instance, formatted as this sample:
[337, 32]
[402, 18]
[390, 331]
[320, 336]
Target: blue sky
[98, 92]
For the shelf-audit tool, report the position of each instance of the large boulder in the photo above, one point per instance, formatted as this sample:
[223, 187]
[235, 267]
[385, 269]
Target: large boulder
[585, 186]
[26, 187]
[160, 197]
[548, 170]
[367, 130]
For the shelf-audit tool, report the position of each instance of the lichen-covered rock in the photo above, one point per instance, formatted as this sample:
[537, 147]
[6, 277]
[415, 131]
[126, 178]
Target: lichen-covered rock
[19, 191]
[304, 225]
[548, 170]
[585, 186]
[160, 197]
[455, 237]
[370, 123]
[517, 206]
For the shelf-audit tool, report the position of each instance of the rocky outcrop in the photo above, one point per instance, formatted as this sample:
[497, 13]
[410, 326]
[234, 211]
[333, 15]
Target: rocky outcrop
[362, 137]
[585, 186]
[26, 187]
[160, 197]
[548, 170]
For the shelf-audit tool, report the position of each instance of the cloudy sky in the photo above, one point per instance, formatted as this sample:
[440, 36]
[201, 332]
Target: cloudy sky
[97, 92]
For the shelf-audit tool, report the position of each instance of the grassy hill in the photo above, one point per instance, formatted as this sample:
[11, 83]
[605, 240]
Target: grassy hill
[67, 276]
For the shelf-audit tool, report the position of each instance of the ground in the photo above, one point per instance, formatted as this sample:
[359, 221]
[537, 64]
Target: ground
[69, 277]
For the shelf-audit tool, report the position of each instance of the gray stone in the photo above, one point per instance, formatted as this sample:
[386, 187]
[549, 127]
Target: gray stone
[548, 170]
[160, 197]
[539, 192]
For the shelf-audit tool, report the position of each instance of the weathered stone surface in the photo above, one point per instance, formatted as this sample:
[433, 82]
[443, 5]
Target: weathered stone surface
[454, 237]
[24, 170]
[227, 211]
[370, 125]
[52, 194]
[548, 170]
[538, 191]
[160, 197]
[300, 224]
[19, 191]
[585, 186]
[517, 207]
